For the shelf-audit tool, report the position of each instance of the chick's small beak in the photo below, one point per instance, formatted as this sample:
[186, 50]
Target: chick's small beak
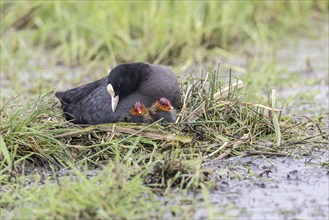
[168, 107]
[138, 107]
[114, 98]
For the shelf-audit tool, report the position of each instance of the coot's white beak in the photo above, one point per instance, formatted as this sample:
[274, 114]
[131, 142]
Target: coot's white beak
[114, 99]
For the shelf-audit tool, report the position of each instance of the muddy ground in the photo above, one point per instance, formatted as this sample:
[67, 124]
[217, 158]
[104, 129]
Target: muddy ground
[294, 187]
[273, 188]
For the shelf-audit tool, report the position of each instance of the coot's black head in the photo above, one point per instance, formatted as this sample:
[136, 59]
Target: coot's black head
[124, 80]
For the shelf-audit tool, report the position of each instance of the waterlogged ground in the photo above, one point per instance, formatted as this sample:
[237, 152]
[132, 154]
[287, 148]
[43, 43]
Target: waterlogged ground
[309, 60]
[294, 187]
[274, 188]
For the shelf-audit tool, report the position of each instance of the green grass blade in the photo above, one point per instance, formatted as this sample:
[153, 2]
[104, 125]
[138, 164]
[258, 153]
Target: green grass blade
[275, 120]
[4, 151]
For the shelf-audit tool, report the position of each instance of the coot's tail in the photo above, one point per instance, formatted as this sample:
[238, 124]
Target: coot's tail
[60, 96]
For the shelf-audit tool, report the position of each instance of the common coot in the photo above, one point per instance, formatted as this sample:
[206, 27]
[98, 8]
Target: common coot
[109, 99]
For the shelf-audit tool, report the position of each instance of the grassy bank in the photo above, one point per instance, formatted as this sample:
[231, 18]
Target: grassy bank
[51, 168]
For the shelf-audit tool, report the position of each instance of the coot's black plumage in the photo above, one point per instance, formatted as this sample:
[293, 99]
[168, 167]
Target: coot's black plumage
[162, 109]
[110, 98]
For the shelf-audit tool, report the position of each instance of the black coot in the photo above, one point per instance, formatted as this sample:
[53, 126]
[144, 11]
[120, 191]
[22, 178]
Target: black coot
[109, 99]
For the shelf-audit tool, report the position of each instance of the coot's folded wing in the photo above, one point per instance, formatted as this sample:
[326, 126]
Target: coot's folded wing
[74, 95]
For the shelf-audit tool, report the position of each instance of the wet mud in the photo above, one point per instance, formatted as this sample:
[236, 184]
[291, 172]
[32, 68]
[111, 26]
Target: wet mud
[274, 188]
[283, 187]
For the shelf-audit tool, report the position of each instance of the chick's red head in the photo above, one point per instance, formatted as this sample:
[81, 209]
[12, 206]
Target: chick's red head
[138, 109]
[164, 104]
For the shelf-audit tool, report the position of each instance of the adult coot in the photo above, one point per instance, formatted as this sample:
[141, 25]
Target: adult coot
[110, 98]
[162, 108]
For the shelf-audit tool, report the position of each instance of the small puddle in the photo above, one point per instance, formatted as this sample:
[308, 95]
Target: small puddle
[309, 60]
[275, 188]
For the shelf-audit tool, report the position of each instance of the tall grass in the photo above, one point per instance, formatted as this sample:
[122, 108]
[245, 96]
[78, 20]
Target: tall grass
[154, 31]
[41, 41]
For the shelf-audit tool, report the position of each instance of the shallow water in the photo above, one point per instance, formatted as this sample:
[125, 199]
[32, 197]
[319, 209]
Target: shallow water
[279, 188]
[309, 60]
[294, 188]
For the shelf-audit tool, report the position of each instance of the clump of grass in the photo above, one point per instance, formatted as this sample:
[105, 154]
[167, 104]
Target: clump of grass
[174, 172]
[112, 194]
[27, 132]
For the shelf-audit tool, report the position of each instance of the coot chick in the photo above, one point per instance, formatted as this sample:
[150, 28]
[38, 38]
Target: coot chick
[139, 114]
[162, 108]
[110, 98]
